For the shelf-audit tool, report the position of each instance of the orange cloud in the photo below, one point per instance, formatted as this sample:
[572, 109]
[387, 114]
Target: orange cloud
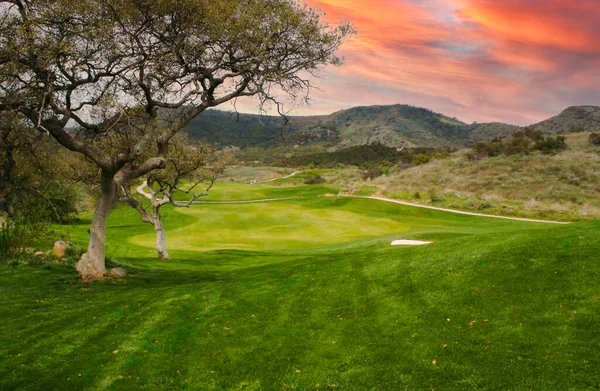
[549, 22]
[487, 60]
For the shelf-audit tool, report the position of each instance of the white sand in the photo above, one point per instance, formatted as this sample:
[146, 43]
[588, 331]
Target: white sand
[409, 243]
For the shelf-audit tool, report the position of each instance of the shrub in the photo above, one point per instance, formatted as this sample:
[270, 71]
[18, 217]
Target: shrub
[517, 145]
[521, 142]
[314, 180]
[491, 149]
[372, 173]
[421, 158]
[17, 237]
[12, 239]
[551, 145]
[595, 139]
[436, 196]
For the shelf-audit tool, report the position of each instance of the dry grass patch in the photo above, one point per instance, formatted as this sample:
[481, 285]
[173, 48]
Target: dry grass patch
[564, 186]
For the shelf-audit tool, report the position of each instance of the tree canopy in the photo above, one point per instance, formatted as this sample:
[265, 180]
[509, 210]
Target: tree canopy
[141, 69]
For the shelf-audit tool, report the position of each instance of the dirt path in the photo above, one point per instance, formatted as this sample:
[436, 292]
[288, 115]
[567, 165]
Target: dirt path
[459, 211]
[278, 178]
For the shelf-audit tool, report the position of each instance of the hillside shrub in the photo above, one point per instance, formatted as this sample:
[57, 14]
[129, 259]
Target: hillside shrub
[522, 141]
[372, 173]
[436, 196]
[489, 149]
[595, 138]
[314, 180]
[421, 158]
[375, 154]
[551, 145]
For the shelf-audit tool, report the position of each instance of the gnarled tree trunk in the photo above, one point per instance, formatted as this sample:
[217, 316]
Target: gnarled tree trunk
[92, 264]
[161, 239]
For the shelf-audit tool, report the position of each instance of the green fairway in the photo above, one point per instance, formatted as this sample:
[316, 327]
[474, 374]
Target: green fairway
[233, 191]
[308, 294]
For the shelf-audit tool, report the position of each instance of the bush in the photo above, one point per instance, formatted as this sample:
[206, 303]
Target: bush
[551, 145]
[19, 237]
[421, 158]
[12, 239]
[491, 149]
[54, 202]
[372, 173]
[522, 141]
[595, 139]
[436, 196]
[314, 180]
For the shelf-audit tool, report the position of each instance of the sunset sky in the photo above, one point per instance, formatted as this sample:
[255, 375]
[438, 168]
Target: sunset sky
[515, 61]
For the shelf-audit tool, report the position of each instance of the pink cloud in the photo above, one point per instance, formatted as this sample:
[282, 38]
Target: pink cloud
[485, 60]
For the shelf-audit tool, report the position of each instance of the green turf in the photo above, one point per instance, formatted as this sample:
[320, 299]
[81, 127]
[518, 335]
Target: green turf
[227, 191]
[491, 304]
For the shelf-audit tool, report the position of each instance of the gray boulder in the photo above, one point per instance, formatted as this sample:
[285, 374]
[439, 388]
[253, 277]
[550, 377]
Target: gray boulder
[118, 272]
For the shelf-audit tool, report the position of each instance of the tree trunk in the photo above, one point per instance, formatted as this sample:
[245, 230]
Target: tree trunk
[92, 265]
[161, 239]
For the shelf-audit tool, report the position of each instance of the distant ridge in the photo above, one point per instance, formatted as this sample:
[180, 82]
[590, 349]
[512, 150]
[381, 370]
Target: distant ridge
[574, 118]
[394, 126]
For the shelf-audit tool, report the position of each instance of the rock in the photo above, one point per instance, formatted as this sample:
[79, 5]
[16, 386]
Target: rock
[118, 272]
[39, 254]
[60, 248]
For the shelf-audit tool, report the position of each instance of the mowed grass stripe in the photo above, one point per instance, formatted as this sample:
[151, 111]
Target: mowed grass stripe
[492, 304]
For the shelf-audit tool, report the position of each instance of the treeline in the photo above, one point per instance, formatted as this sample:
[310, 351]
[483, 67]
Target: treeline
[522, 141]
[364, 156]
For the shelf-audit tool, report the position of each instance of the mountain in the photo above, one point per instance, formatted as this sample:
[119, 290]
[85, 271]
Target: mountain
[572, 119]
[394, 126]
[398, 125]
[390, 125]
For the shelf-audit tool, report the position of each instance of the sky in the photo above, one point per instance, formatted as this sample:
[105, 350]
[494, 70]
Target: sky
[513, 61]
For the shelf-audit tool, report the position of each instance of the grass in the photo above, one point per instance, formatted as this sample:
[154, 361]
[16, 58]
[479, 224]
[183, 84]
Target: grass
[491, 304]
[564, 186]
[234, 191]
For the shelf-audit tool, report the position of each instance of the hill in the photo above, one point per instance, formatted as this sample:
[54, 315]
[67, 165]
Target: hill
[561, 186]
[393, 126]
[572, 119]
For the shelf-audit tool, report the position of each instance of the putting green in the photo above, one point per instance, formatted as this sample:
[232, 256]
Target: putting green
[310, 223]
[271, 226]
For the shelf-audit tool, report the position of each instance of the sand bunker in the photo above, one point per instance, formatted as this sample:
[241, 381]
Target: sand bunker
[409, 243]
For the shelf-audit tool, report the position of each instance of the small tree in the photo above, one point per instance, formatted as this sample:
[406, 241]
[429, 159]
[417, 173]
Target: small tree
[33, 184]
[189, 168]
[92, 63]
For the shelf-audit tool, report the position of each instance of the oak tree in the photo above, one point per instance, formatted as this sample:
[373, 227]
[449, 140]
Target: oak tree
[75, 69]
